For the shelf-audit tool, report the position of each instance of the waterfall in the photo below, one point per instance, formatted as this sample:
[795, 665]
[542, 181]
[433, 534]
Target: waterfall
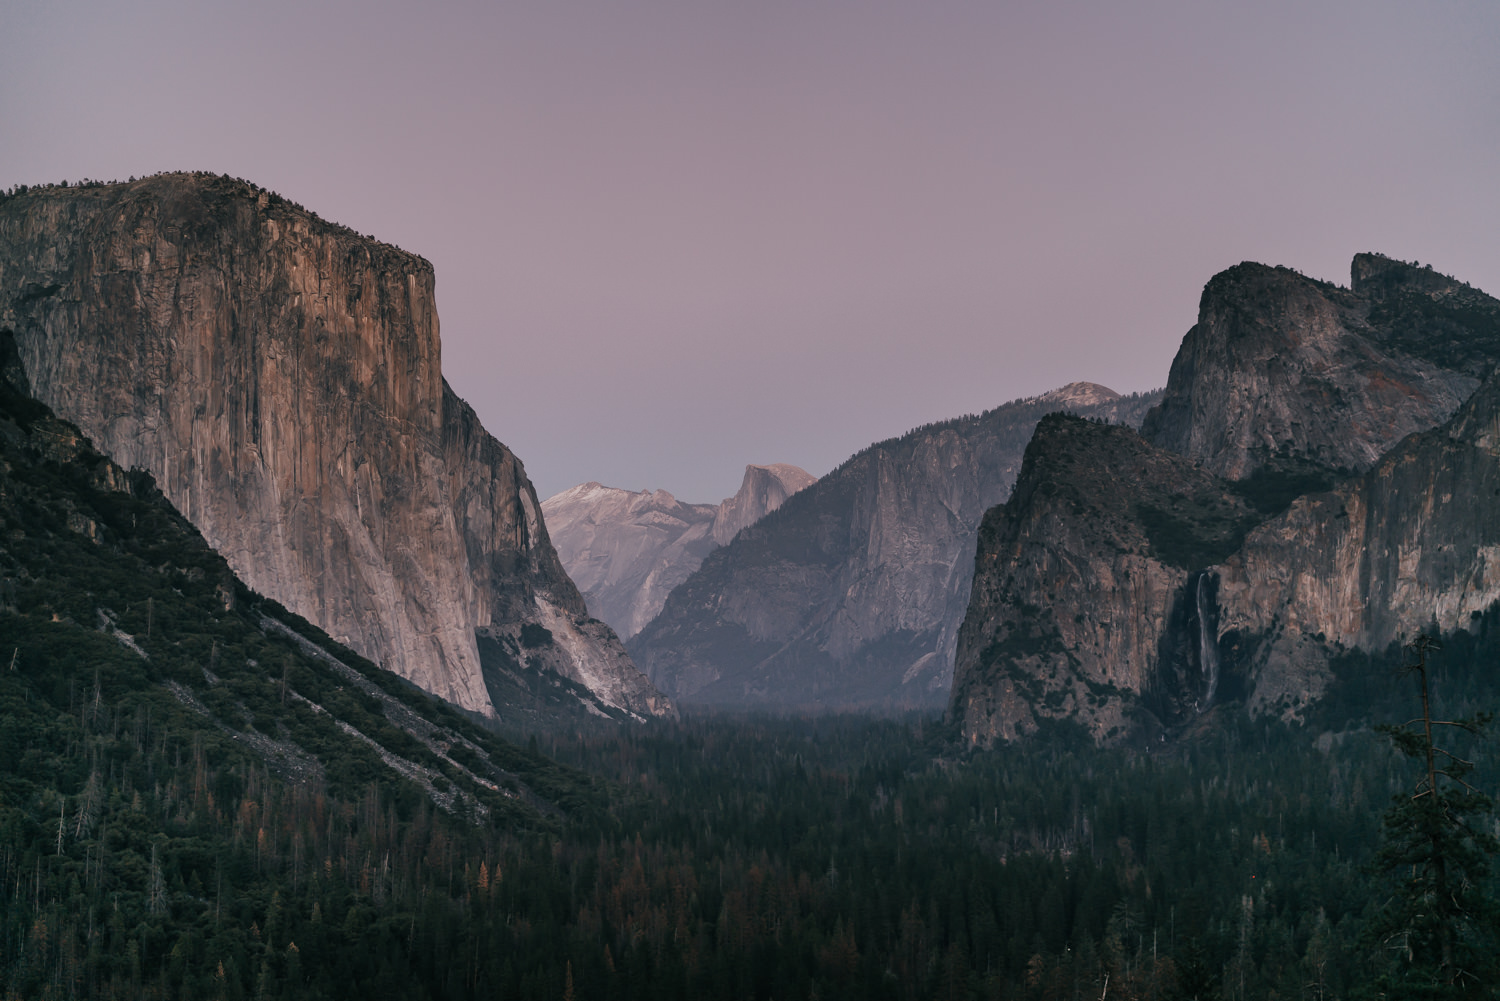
[1208, 647]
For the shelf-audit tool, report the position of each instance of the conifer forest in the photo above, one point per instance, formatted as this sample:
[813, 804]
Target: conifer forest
[202, 796]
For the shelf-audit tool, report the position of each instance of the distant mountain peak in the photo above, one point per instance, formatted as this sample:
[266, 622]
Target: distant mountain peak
[850, 595]
[763, 490]
[627, 550]
[1079, 394]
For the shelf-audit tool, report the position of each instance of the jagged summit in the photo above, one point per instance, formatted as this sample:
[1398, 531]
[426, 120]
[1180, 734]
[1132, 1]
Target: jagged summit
[1285, 373]
[627, 550]
[1376, 275]
[1429, 315]
[1319, 478]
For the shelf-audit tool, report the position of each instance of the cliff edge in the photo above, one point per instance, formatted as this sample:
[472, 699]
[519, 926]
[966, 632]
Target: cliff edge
[280, 376]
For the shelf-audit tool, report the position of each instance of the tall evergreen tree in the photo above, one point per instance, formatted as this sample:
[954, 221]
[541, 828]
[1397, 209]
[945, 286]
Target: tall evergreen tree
[1438, 929]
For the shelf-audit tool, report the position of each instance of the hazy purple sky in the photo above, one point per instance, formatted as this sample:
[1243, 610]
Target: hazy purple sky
[674, 238]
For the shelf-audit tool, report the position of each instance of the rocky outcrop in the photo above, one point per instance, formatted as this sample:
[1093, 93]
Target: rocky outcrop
[1286, 387]
[1080, 584]
[1413, 544]
[763, 490]
[1428, 315]
[627, 551]
[851, 594]
[280, 377]
[1284, 373]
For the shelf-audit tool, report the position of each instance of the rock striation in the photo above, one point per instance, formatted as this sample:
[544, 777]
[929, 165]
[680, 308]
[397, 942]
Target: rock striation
[851, 593]
[1319, 478]
[280, 377]
[626, 551]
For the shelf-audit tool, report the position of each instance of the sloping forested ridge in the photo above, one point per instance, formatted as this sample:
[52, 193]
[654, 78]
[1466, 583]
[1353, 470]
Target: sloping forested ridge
[203, 797]
[200, 794]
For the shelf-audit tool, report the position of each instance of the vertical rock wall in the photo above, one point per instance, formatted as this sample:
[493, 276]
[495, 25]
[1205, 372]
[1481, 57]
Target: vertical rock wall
[1078, 580]
[281, 378]
[1413, 544]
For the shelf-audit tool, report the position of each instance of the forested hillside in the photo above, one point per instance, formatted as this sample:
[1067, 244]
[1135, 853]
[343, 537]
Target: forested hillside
[200, 794]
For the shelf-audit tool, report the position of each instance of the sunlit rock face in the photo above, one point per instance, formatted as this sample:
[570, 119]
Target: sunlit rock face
[851, 593]
[1133, 599]
[280, 377]
[626, 551]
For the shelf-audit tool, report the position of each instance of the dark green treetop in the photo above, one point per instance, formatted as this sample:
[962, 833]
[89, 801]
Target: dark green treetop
[1438, 930]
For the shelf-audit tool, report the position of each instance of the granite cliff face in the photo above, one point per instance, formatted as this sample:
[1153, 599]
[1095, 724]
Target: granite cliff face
[93, 557]
[763, 490]
[280, 377]
[627, 551]
[1284, 373]
[1232, 585]
[1412, 544]
[1080, 582]
[851, 594]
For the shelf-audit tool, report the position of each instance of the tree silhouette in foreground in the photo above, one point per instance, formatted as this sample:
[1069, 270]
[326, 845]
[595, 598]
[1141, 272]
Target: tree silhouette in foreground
[1438, 929]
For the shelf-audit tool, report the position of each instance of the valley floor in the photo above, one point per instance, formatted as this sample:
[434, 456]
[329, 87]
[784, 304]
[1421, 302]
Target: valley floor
[835, 857]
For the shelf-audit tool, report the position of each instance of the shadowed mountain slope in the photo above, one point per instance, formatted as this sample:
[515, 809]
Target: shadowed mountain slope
[850, 595]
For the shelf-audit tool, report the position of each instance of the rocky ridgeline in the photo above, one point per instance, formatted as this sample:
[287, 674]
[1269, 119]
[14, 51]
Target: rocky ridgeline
[1285, 373]
[850, 594]
[280, 377]
[626, 551]
[1318, 478]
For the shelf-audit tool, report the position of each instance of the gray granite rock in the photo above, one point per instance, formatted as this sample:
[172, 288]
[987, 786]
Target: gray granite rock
[281, 378]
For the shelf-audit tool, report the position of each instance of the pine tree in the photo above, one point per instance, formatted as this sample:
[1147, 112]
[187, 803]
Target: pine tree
[88, 806]
[157, 887]
[1438, 928]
